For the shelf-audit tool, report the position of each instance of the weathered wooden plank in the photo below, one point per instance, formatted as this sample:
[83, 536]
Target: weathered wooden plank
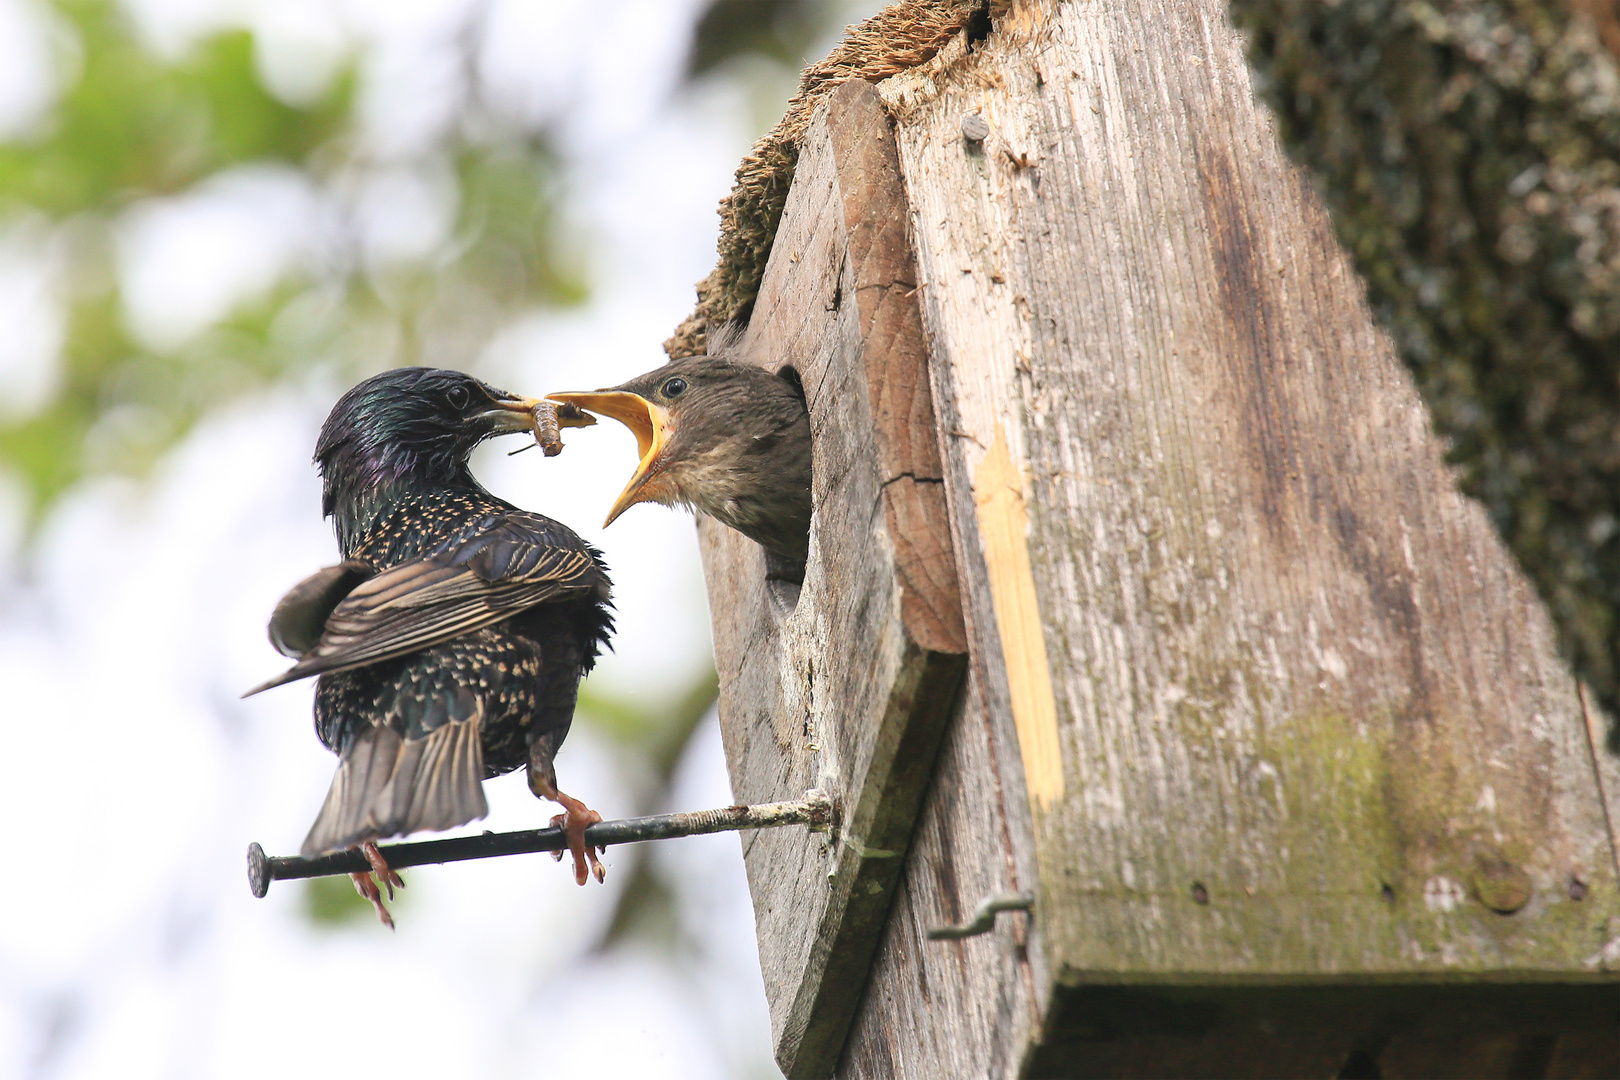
[969, 1008]
[896, 358]
[1294, 671]
[1283, 708]
[847, 683]
[1258, 705]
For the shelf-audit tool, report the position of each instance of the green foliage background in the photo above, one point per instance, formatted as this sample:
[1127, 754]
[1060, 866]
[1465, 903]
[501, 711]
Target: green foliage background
[130, 125]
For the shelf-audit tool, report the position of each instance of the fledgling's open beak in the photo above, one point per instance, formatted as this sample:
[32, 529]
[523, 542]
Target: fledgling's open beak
[651, 424]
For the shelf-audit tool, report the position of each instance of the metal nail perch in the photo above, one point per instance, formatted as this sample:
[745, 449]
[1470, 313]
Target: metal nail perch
[984, 916]
[814, 810]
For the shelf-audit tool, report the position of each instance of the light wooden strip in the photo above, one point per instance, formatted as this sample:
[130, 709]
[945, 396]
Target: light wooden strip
[998, 493]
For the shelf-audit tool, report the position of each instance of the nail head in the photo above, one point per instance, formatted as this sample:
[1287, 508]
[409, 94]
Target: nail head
[1501, 885]
[258, 870]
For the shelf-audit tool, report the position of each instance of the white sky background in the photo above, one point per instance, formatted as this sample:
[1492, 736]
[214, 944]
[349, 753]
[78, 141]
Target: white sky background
[133, 778]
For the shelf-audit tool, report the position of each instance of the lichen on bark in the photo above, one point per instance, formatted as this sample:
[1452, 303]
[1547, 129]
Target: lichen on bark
[1469, 152]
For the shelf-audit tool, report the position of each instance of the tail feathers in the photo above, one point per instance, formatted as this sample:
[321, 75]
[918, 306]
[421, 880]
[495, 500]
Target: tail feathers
[389, 786]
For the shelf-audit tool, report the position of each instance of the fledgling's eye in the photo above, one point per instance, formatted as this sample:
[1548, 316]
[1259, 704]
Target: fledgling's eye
[457, 396]
[673, 387]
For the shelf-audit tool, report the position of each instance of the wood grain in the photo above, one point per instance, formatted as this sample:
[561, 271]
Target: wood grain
[896, 360]
[1312, 726]
[969, 1008]
[998, 495]
[1276, 633]
[848, 682]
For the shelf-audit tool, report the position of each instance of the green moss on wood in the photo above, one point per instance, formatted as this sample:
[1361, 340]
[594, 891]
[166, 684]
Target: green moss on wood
[1380, 858]
[1469, 152]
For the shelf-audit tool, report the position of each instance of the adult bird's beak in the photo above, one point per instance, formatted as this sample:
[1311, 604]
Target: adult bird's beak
[513, 413]
[650, 422]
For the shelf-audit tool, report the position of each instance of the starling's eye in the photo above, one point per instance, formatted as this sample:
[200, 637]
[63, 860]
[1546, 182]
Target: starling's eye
[674, 387]
[457, 396]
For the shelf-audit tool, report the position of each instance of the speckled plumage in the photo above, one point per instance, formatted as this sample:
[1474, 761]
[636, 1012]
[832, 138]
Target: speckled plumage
[452, 639]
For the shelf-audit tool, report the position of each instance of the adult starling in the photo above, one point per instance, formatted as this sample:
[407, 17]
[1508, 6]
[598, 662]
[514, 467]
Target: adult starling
[727, 439]
[451, 639]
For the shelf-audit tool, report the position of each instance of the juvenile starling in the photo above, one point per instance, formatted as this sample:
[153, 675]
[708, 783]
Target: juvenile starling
[726, 439]
[451, 640]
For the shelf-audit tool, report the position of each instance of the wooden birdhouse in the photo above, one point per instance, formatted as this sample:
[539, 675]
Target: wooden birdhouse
[1141, 599]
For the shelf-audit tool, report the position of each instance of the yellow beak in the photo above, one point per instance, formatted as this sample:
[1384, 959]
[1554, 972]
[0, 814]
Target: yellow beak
[651, 425]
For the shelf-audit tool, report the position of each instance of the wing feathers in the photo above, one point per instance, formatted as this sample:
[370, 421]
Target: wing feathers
[297, 622]
[513, 565]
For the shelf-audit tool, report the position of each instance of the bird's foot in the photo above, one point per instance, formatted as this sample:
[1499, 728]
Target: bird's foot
[379, 866]
[368, 889]
[574, 822]
[366, 885]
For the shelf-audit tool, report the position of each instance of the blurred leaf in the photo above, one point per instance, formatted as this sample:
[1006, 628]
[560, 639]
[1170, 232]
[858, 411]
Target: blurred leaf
[781, 30]
[132, 125]
[508, 223]
[332, 902]
[658, 733]
[44, 448]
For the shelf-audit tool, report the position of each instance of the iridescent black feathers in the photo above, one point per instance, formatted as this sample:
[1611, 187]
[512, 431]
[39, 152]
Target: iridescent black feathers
[451, 640]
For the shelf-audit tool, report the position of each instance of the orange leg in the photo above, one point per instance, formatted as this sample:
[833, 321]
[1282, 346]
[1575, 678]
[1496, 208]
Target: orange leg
[368, 889]
[574, 822]
[380, 867]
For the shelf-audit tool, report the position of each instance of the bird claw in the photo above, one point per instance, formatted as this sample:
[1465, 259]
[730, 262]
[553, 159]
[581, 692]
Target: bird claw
[366, 887]
[379, 866]
[574, 822]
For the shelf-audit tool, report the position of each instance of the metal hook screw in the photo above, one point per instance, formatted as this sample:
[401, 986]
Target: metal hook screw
[984, 916]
